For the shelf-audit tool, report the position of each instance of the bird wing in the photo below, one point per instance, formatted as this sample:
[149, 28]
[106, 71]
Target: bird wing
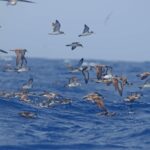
[118, 86]
[3, 51]
[26, 1]
[56, 26]
[73, 47]
[86, 29]
[85, 74]
[80, 63]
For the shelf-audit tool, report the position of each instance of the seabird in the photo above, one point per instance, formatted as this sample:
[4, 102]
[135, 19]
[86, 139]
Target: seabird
[74, 45]
[77, 67]
[56, 28]
[102, 71]
[28, 115]
[86, 31]
[14, 2]
[20, 57]
[133, 97]
[143, 75]
[117, 85]
[98, 99]
[53, 99]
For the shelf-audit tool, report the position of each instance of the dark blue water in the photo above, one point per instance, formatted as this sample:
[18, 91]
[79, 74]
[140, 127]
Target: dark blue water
[76, 125]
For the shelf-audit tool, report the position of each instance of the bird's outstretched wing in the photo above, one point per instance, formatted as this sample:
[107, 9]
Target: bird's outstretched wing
[85, 74]
[56, 26]
[80, 63]
[3, 51]
[73, 47]
[86, 29]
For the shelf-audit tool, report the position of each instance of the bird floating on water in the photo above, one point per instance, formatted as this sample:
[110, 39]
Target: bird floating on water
[74, 45]
[133, 97]
[14, 2]
[56, 28]
[28, 115]
[86, 31]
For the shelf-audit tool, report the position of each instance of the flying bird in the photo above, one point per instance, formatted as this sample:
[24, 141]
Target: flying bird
[74, 45]
[14, 2]
[20, 57]
[77, 67]
[117, 85]
[56, 28]
[143, 75]
[98, 99]
[86, 31]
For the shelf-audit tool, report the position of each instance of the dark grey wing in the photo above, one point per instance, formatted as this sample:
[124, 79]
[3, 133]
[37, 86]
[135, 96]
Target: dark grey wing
[80, 62]
[85, 74]
[57, 26]
[120, 88]
[3, 51]
[26, 1]
[73, 47]
[86, 29]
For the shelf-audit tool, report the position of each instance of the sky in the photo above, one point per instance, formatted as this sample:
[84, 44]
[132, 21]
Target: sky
[125, 36]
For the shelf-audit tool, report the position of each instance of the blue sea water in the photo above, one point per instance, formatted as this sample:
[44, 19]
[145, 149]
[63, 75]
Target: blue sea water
[77, 125]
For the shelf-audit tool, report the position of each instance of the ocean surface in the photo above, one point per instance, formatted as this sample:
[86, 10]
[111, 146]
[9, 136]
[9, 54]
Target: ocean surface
[77, 125]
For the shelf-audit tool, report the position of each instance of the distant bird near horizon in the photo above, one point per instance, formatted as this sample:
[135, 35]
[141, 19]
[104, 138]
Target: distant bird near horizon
[3, 51]
[20, 57]
[86, 31]
[74, 45]
[14, 2]
[56, 28]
